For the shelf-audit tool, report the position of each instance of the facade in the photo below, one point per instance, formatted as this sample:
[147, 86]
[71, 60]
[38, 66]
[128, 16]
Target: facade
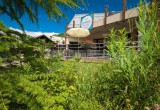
[101, 25]
[103, 22]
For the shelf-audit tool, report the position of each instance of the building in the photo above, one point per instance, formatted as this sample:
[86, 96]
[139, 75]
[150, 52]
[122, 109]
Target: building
[44, 37]
[99, 25]
[53, 39]
[103, 22]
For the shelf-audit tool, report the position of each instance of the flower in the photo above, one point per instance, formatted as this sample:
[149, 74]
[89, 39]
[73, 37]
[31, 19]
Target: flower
[128, 101]
[87, 43]
[136, 102]
[72, 88]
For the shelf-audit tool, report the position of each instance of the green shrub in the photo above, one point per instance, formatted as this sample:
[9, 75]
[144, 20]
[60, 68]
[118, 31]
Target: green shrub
[58, 57]
[77, 57]
[131, 80]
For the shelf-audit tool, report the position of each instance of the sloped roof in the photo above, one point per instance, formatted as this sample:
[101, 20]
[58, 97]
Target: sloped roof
[59, 39]
[51, 38]
[47, 39]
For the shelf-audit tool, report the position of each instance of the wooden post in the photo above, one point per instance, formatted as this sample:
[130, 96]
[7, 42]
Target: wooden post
[66, 28]
[73, 24]
[105, 15]
[124, 10]
[134, 37]
[154, 1]
[92, 19]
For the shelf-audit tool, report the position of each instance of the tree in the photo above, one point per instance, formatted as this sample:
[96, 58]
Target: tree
[21, 93]
[15, 9]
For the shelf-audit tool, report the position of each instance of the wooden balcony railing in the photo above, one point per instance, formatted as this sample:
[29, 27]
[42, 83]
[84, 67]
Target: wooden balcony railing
[97, 50]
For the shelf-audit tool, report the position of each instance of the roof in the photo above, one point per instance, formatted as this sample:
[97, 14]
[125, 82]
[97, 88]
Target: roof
[47, 39]
[77, 19]
[51, 38]
[59, 39]
[112, 17]
[113, 12]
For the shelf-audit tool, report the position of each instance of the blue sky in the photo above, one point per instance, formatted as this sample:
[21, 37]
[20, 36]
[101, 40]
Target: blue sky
[46, 25]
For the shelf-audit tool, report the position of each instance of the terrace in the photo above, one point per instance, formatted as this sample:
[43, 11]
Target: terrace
[101, 25]
[96, 51]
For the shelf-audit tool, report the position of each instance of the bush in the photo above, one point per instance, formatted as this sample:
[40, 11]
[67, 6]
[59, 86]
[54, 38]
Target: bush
[131, 80]
[77, 57]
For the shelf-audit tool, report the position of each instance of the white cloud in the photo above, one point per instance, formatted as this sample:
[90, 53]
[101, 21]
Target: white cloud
[35, 34]
[51, 35]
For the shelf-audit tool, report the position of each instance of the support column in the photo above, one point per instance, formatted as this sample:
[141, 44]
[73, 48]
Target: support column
[124, 10]
[105, 15]
[66, 28]
[154, 0]
[92, 19]
[134, 37]
[73, 24]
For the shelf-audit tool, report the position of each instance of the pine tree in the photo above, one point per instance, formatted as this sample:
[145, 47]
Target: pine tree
[15, 9]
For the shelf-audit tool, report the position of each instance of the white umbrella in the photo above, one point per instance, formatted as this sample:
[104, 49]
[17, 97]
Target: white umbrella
[78, 33]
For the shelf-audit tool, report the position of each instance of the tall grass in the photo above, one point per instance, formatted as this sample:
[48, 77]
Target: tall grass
[84, 97]
[131, 80]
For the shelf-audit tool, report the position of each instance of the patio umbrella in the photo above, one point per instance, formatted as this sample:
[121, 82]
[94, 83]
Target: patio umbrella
[78, 33]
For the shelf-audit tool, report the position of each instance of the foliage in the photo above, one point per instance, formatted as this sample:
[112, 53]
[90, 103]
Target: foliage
[77, 57]
[58, 56]
[53, 8]
[84, 97]
[131, 80]
[61, 35]
[87, 43]
[20, 90]
[15, 46]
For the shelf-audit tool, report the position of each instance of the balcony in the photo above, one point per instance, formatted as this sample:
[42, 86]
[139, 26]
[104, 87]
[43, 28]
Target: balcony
[98, 50]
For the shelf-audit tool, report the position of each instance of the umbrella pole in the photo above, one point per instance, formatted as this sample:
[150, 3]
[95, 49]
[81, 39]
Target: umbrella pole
[78, 46]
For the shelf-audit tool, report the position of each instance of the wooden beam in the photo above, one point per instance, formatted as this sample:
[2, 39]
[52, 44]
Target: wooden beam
[66, 28]
[134, 36]
[92, 19]
[73, 24]
[105, 15]
[124, 10]
[154, 0]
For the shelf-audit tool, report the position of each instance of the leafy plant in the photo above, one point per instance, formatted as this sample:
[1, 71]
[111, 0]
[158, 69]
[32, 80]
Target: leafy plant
[87, 44]
[77, 57]
[131, 80]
